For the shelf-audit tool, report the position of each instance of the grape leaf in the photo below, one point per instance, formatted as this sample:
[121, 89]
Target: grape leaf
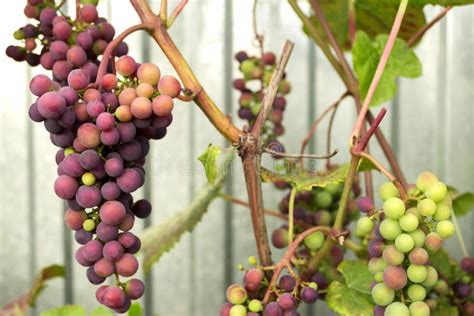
[463, 203]
[209, 162]
[448, 267]
[376, 17]
[20, 305]
[444, 307]
[356, 274]
[161, 238]
[348, 302]
[67, 310]
[402, 63]
[101, 311]
[135, 310]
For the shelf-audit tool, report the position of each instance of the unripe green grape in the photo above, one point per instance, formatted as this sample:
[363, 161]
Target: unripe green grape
[376, 265]
[426, 207]
[382, 295]
[419, 309]
[393, 256]
[333, 188]
[432, 304]
[388, 190]
[18, 35]
[313, 285]
[255, 306]
[419, 237]
[252, 260]
[88, 178]
[433, 242]
[378, 277]
[424, 180]
[443, 212]
[323, 199]
[431, 277]
[466, 279]
[69, 151]
[409, 222]
[365, 225]
[404, 243]
[314, 241]
[236, 294]
[88, 225]
[414, 211]
[390, 229]
[416, 292]
[397, 309]
[238, 310]
[247, 66]
[437, 191]
[416, 273]
[394, 208]
[445, 229]
[441, 287]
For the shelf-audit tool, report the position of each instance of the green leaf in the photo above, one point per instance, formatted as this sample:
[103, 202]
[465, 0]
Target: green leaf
[376, 17]
[68, 310]
[445, 265]
[463, 203]
[209, 162]
[402, 63]
[444, 307]
[348, 302]
[101, 311]
[356, 274]
[337, 15]
[135, 310]
[161, 238]
[20, 305]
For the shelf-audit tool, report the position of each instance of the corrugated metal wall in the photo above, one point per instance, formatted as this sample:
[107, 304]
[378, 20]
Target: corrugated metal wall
[430, 124]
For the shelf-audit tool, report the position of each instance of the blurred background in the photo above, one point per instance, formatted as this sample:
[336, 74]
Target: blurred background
[429, 123]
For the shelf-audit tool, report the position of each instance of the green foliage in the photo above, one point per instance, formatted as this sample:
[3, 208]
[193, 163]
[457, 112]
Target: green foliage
[209, 162]
[101, 311]
[366, 55]
[20, 305]
[445, 265]
[161, 238]
[356, 274]
[68, 310]
[463, 203]
[348, 302]
[433, 2]
[444, 307]
[135, 310]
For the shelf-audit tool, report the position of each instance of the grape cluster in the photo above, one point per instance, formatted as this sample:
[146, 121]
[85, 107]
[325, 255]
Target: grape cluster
[408, 232]
[247, 300]
[61, 44]
[103, 127]
[256, 75]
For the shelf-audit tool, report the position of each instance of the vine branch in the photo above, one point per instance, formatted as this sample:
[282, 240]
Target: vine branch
[427, 26]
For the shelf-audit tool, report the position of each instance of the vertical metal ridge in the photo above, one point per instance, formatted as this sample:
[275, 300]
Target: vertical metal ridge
[395, 121]
[443, 96]
[228, 101]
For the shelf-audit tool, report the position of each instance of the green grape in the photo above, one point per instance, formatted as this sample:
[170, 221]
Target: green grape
[409, 222]
[313, 285]
[397, 309]
[69, 151]
[333, 188]
[252, 260]
[382, 294]
[433, 242]
[365, 225]
[404, 243]
[88, 178]
[314, 241]
[424, 180]
[392, 256]
[323, 199]
[390, 229]
[377, 265]
[445, 229]
[414, 211]
[419, 237]
[255, 306]
[394, 208]
[419, 309]
[236, 294]
[416, 292]
[378, 277]
[443, 212]
[88, 225]
[247, 66]
[437, 191]
[431, 277]
[426, 207]
[238, 310]
[416, 273]
[388, 190]
[441, 287]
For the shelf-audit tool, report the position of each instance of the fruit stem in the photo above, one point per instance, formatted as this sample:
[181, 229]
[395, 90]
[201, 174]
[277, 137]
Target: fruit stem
[427, 26]
[459, 234]
[291, 212]
[176, 12]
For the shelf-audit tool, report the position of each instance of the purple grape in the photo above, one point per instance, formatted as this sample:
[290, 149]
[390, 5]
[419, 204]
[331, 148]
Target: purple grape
[77, 56]
[92, 251]
[71, 165]
[88, 196]
[61, 69]
[104, 268]
[62, 30]
[130, 151]
[105, 121]
[126, 199]
[84, 40]
[67, 120]
[79, 256]
[47, 15]
[47, 61]
[127, 131]
[110, 191]
[127, 223]
[63, 140]
[467, 265]
[130, 180]
[365, 204]
[51, 105]
[82, 236]
[225, 309]
[52, 126]
[112, 212]
[40, 84]
[34, 113]
[106, 232]
[89, 159]
[93, 277]
[69, 94]
[78, 79]
[134, 289]
[114, 167]
[32, 59]
[127, 239]
[58, 50]
[127, 265]
[287, 283]
[74, 219]
[124, 307]
[95, 107]
[91, 69]
[309, 295]
[142, 208]
[379, 310]
[72, 204]
[286, 301]
[65, 187]
[88, 13]
[375, 248]
[113, 251]
[273, 309]
[110, 100]
[135, 247]
[122, 49]
[462, 290]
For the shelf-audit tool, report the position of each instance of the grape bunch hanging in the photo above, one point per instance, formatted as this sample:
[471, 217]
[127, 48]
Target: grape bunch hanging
[102, 123]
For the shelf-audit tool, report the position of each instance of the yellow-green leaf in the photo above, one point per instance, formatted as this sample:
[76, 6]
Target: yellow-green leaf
[356, 274]
[348, 302]
[209, 162]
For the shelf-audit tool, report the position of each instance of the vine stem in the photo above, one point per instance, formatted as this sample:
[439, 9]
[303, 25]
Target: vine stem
[176, 12]
[459, 234]
[313, 264]
[163, 14]
[78, 9]
[286, 155]
[159, 33]
[109, 51]
[291, 213]
[258, 36]
[286, 259]
[379, 70]
[427, 26]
